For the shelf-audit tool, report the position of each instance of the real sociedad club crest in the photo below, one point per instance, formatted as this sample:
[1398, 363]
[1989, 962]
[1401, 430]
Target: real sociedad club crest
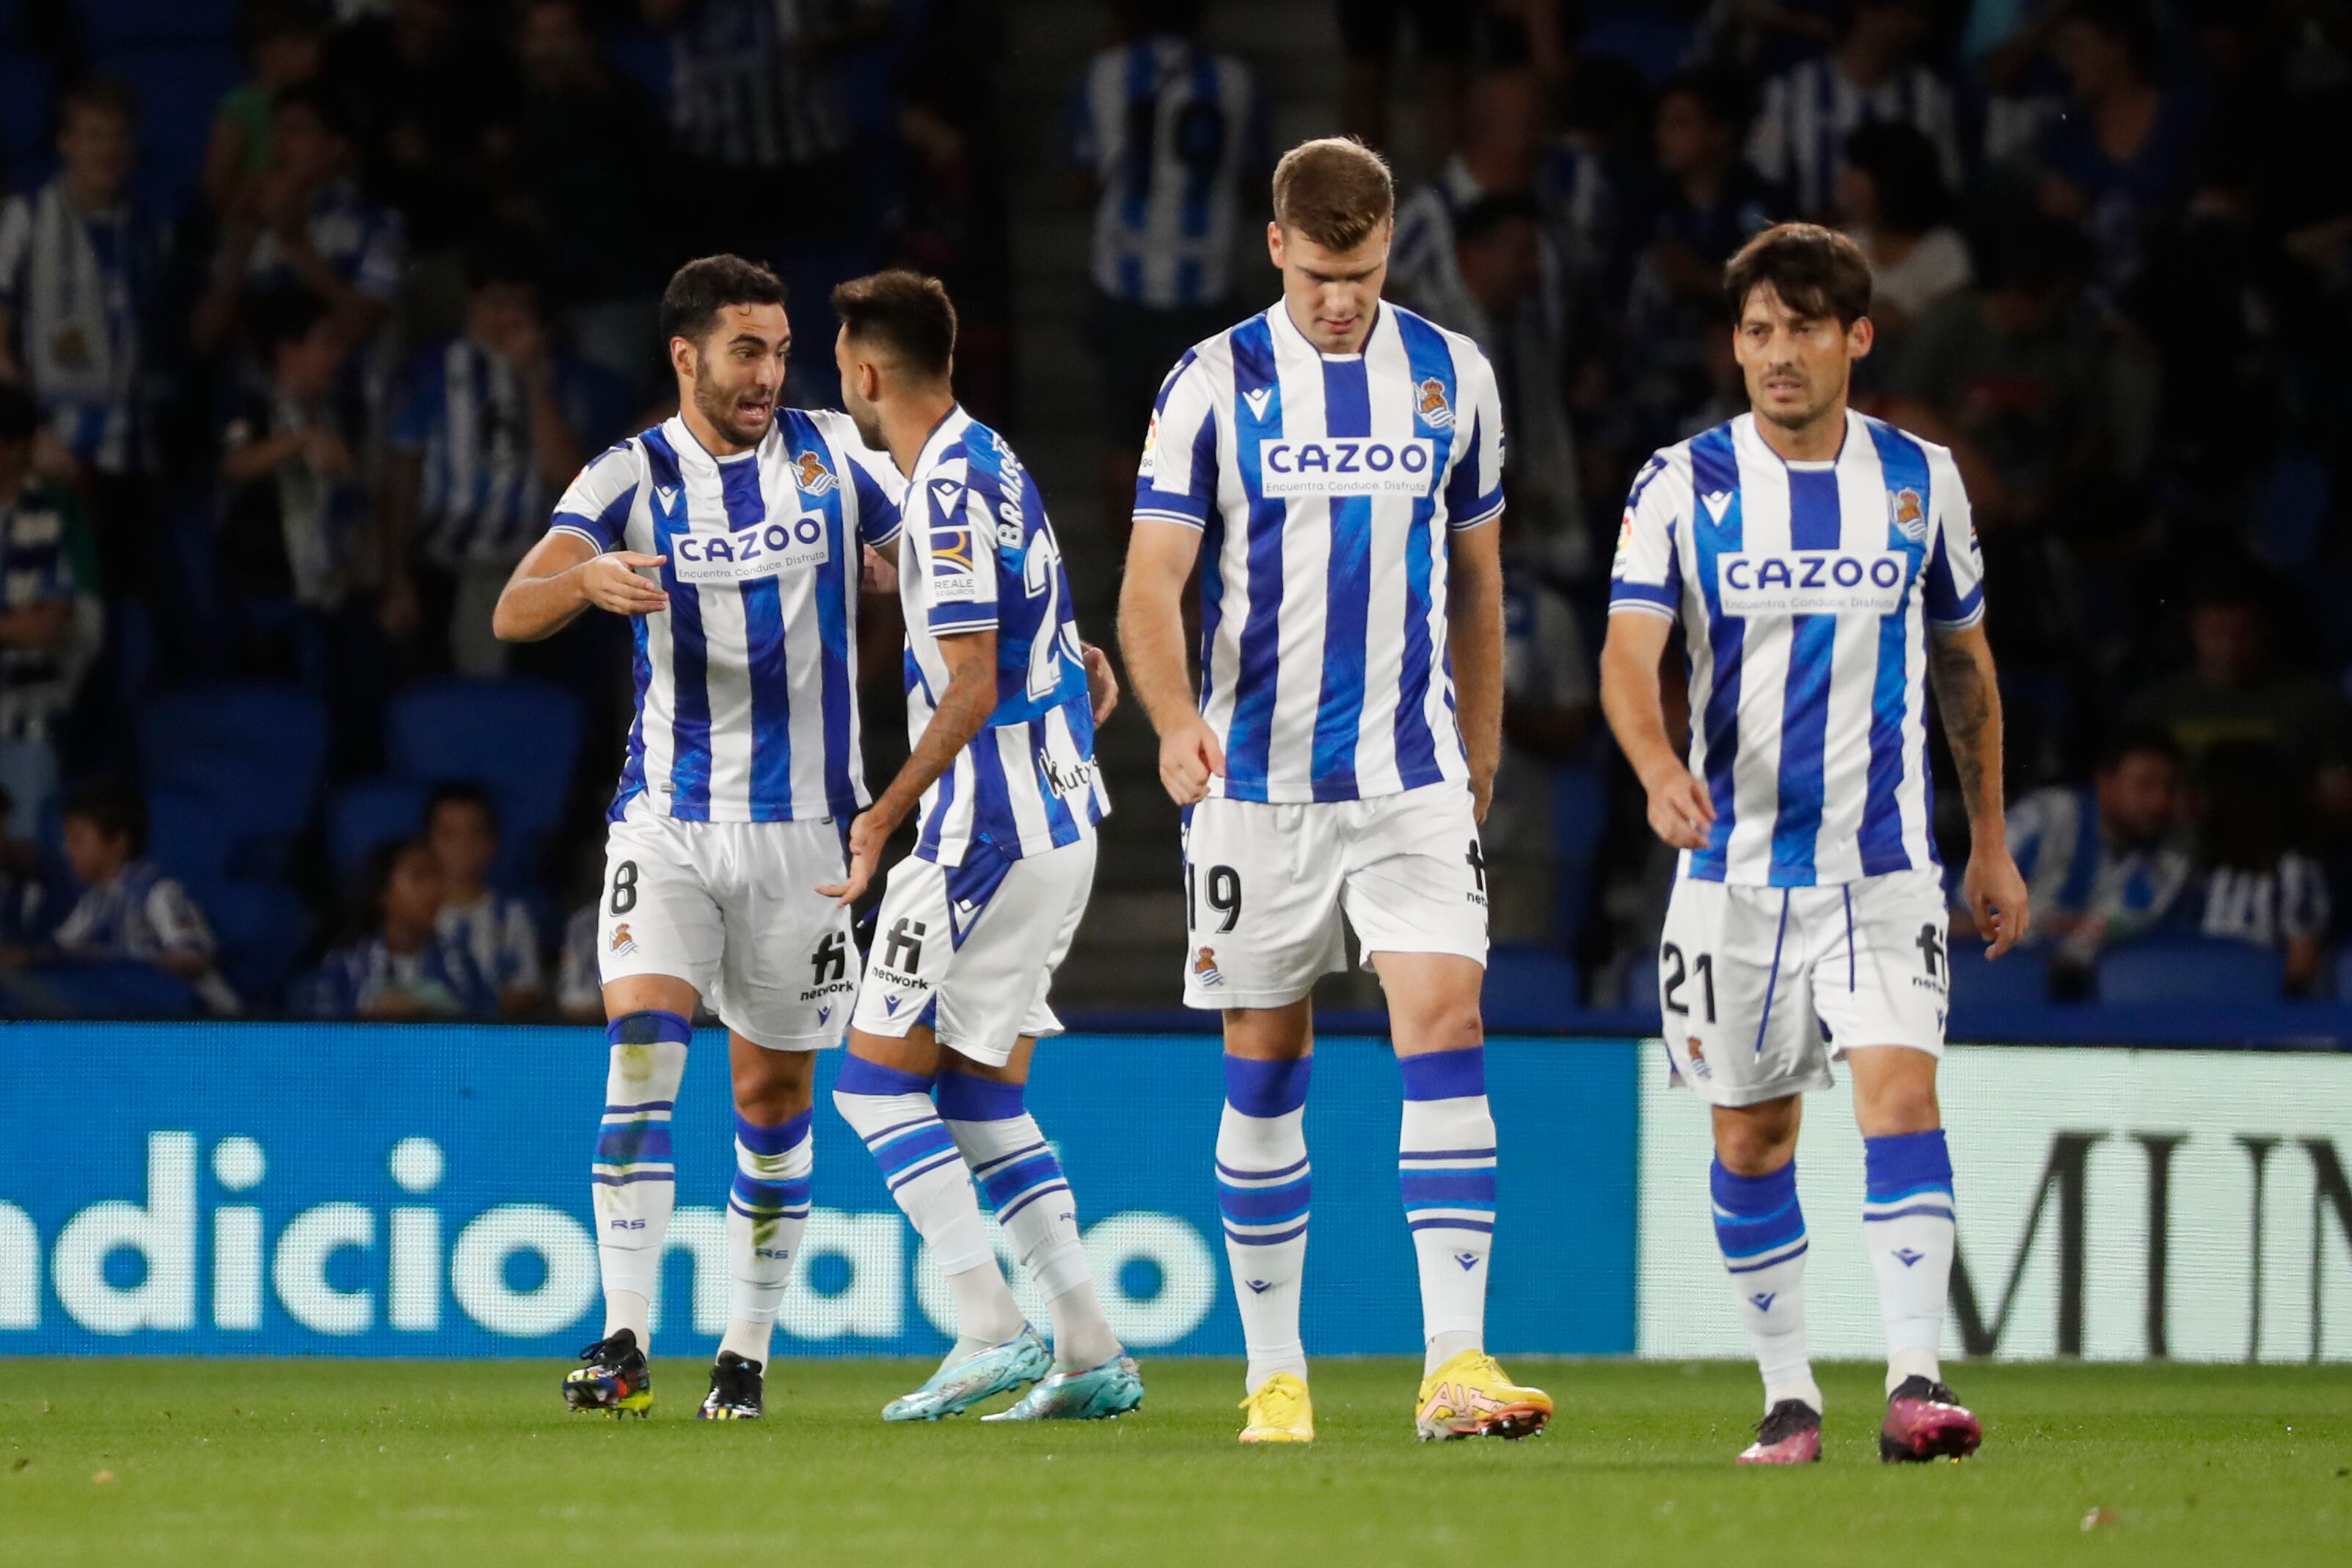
[1205, 968]
[1434, 406]
[812, 476]
[1909, 513]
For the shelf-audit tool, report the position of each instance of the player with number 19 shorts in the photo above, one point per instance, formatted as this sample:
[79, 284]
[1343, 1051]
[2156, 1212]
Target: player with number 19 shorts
[1003, 794]
[733, 536]
[1333, 465]
[1823, 571]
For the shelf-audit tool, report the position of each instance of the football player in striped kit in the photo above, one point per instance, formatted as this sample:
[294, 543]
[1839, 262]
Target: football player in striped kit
[1334, 467]
[1825, 574]
[1001, 785]
[733, 536]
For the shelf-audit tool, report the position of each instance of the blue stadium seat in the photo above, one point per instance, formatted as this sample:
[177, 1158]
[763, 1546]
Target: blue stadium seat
[2342, 974]
[363, 818]
[2191, 972]
[110, 989]
[262, 928]
[179, 87]
[254, 750]
[516, 738]
[1529, 987]
[112, 23]
[2022, 974]
[184, 837]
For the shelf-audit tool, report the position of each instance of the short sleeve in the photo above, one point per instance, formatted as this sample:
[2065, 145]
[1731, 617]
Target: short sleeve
[1955, 577]
[1176, 482]
[880, 489]
[1474, 491]
[596, 507]
[1647, 575]
[179, 924]
[955, 562]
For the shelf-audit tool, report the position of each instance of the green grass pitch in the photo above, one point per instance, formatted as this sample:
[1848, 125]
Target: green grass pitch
[345, 1464]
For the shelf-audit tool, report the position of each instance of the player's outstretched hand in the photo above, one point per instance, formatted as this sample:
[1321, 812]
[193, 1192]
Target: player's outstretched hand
[1996, 896]
[611, 582]
[1189, 757]
[1681, 810]
[867, 834]
[1102, 682]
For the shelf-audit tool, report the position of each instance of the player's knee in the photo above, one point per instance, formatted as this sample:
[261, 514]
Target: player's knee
[1890, 1109]
[773, 1088]
[1755, 1140]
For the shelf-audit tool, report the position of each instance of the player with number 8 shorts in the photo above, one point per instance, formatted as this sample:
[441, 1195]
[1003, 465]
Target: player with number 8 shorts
[1824, 572]
[1335, 467]
[734, 536]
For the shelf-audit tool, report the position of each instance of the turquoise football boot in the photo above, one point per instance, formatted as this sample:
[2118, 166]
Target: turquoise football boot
[1097, 1394]
[981, 1376]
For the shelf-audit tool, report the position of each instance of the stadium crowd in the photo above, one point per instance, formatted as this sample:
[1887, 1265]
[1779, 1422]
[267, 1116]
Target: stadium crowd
[307, 312]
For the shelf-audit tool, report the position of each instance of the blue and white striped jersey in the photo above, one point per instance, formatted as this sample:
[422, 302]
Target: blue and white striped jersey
[747, 685]
[1805, 591]
[980, 554]
[467, 416]
[1170, 130]
[1797, 141]
[1327, 485]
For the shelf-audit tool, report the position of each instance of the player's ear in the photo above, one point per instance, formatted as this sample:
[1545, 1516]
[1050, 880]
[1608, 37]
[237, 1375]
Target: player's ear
[682, 356]
[1274, 242]
[1860, 337]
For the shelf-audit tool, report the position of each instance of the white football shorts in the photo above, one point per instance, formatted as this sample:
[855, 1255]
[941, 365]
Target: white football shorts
[1759, 987]
[1265, 886]
[970, 950]
[731, 908]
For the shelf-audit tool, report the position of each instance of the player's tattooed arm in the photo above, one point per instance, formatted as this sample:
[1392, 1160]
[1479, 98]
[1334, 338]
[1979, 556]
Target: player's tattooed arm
[1960, 670]
[960, 715]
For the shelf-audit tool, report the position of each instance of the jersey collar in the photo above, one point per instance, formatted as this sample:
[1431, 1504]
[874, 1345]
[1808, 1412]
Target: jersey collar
[944, 435]
[1383, 321]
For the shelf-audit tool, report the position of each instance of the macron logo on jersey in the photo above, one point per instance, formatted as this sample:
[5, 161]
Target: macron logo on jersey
[1347, 466]
[1256, 397]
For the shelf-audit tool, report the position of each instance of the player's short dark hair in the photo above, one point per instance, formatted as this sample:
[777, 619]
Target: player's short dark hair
[20, 416]
[908, 311]
[1815, 271]
[1334, 189]
[704, 287]
[460, 793]
[98, 95]
[2137, 740]
[114, 808]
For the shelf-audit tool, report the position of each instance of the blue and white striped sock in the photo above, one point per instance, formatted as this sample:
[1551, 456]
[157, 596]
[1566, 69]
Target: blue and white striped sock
[1264, 1189]
[1761, 1231]
[767, 1211]
[892, 1111]
[634, 1184]
[1908, 1225]
[1446, 1170]
[1020, 1177]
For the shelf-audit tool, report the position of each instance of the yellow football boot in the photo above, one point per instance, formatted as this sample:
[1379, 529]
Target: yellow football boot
[1280, 1411]
[1469, 1396]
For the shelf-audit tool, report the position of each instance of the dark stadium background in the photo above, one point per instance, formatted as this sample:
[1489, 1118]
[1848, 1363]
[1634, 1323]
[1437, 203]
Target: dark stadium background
[2142, 374]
